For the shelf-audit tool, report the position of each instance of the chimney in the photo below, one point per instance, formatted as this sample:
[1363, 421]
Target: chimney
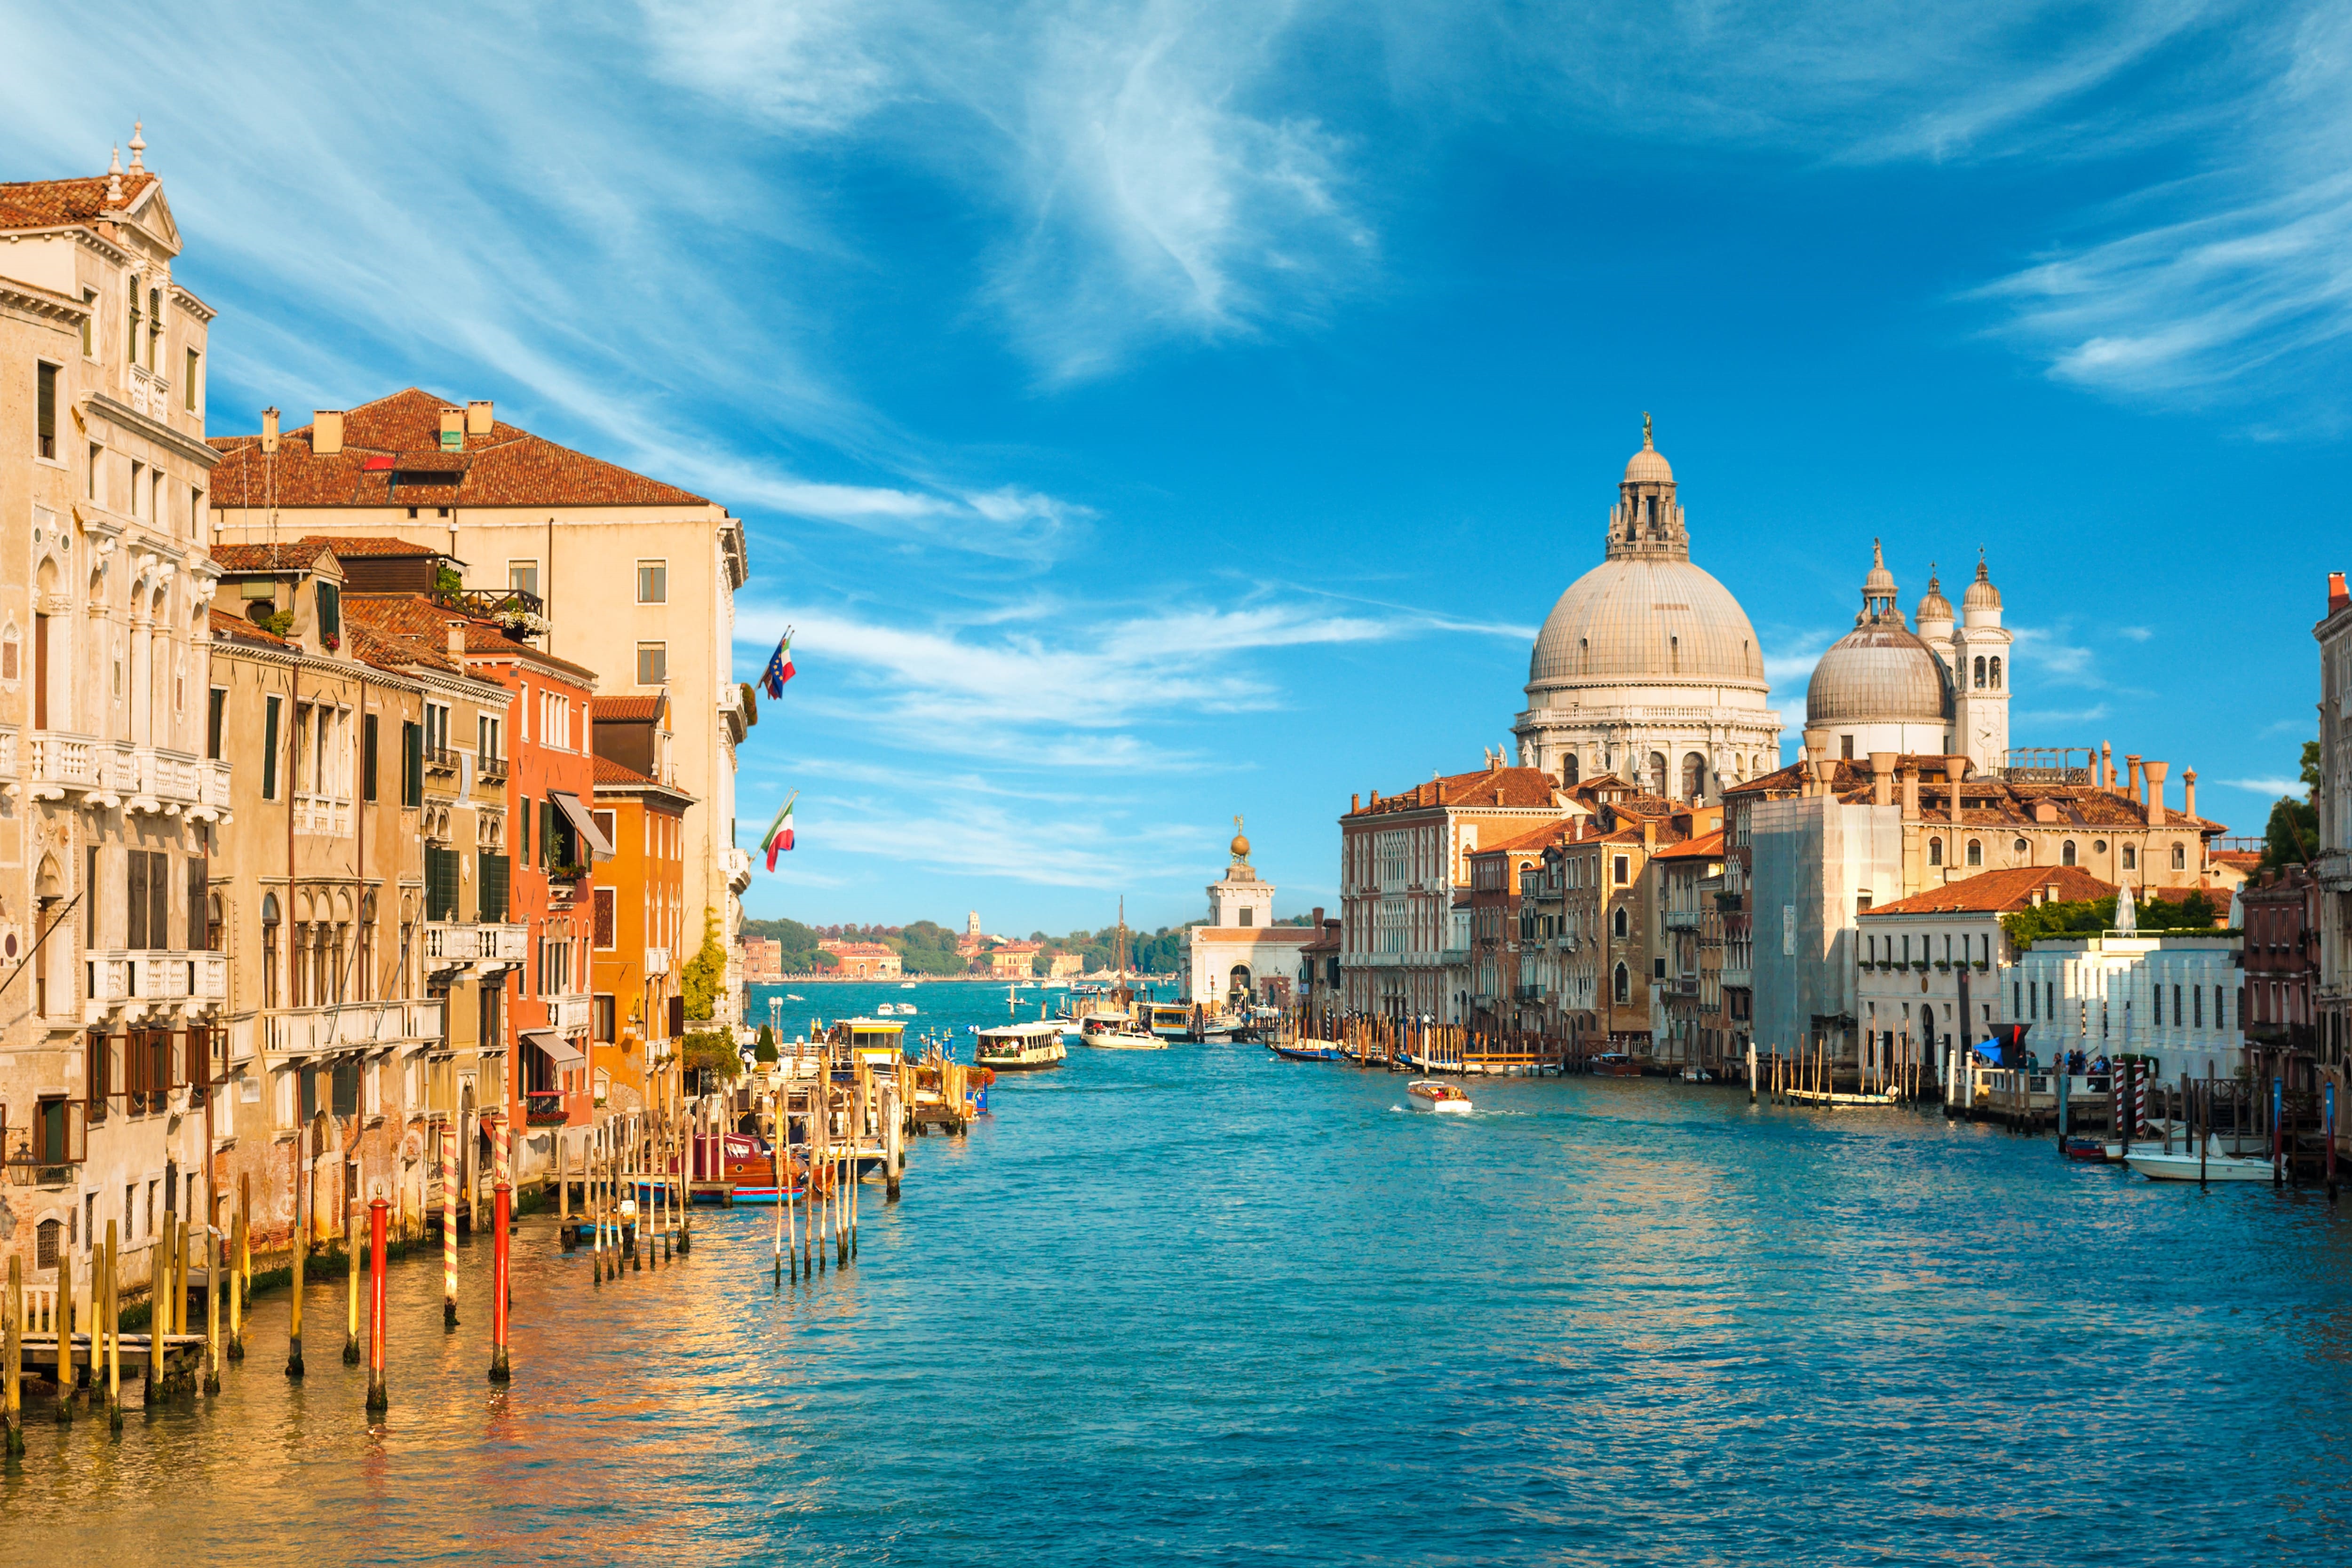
[1355, 804]
[2337, 597]
[477, 417]
[1649, 835]
[2132, 780]
[2106, 769]
[1319, 917]
[269, 430]
[2153, 776]
[2052, 897]
[453, 429]
[457, 639]
[1882, 778]
[1910, 791]
[326, 431]
[2189, 792]
[2035, 898]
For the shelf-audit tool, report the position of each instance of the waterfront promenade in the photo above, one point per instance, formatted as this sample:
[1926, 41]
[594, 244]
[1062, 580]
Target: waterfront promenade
[1200, 1305]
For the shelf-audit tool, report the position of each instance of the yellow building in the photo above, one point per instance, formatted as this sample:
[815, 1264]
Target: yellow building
[640, 919]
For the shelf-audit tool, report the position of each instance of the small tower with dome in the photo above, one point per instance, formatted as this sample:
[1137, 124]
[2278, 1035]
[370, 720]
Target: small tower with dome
[1981, 672]
[1880, 688]
[1241, 956]
[1238, 898]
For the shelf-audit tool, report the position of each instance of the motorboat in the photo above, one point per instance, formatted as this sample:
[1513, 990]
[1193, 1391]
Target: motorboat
[1697, 1075]
[1615, 1064]
[794, 997]
[1172, 1020]
[906, 984]
[1112, 1032]
[1020, 1047]
[1427, 1095]
[2187, 1165]
[1307, 1050]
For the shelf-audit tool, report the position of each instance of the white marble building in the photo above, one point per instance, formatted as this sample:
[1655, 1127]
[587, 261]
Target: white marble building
[1647, 667]
[1942, 691]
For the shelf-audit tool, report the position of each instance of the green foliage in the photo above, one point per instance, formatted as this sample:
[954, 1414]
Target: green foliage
[764, 1048]
[448, 581]
[799, 942]
[930, 961]
[704, 979]
[2310, 774]
[711, 1050]
[2089, 916]
[2292, 837]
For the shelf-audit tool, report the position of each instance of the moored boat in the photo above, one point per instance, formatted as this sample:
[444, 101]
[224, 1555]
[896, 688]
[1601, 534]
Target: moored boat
[1020, 1047]
[2186, 1165]
[1307, 1050]
[1106, 1032]
[1427, 1095]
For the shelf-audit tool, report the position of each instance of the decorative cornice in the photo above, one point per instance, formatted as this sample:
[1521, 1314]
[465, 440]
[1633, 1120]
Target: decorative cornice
[127, 418]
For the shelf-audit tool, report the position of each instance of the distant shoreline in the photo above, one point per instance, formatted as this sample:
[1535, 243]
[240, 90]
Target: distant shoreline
[950, 980]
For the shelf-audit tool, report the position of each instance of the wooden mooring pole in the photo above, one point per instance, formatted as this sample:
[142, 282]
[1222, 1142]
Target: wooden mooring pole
[12, 1402]
[503, 1206]
[448, 1152]
[378, 1396]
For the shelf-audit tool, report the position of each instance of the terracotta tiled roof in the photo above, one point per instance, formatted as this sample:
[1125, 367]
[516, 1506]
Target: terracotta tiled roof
[237, 628]
[1987, 799]
[1706, 848]
[347, 546]
[1998, 891]
[630, 709]
[297, 555]
[1489, 787]
[54, 204]
[1534, 841]
[392, 457]
[608, 771]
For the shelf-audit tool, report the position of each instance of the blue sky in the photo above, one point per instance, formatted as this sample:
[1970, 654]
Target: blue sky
[1147, 412]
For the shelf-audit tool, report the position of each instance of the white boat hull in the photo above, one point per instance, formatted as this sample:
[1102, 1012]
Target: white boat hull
[1453, 1104]
[2158, 1166]
[1123, 1041]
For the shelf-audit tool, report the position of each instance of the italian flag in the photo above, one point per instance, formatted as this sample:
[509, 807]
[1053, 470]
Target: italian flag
[779, 833]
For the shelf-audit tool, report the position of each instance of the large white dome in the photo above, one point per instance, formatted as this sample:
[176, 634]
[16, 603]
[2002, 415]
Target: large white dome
[1645, 620]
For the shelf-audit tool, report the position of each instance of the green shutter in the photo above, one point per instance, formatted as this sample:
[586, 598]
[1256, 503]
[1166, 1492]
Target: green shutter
[411, 764]
[269, 748]
[367, 758]
[493, 891]
[330, 611]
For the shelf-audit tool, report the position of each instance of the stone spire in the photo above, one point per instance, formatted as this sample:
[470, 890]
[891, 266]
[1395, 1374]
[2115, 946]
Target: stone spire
[114, 179]
[138, 146]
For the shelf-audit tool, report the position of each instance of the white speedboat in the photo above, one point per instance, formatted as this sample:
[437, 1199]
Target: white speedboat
[907, 985]
[1020, 1047]
[1427, 1095]
[1108, 1032]
[2158, 1166]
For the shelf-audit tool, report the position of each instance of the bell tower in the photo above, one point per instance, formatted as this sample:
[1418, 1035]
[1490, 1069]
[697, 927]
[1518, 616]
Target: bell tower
[1239, 898]
[1980, 675]
[1647, 521]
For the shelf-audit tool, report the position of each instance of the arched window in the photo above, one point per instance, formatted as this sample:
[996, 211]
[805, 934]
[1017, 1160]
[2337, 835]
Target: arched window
[1996, 672]
[1935, 852]
[2021, 853]
[1584, 655]
[1694, 777]
[269, 928]
[1981, 672]
[2131, 857]
[1617, 920]
[1657, 773]
[1620, 987]
[1568, 769]
[215, 924]
[2066, 852]
[2180, 857]
[1976, 851]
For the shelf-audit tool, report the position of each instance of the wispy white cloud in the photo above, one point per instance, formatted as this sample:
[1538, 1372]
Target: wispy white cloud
[2272, 786]
[2046, 654]
[2136, 634]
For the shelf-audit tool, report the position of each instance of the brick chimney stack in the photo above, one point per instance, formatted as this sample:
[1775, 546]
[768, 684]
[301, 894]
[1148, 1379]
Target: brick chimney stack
[2189, 791]
[1882, 778]
[1910, 791]
[2132, 787]
[2106, 766]
[2152, 775]
[2338, 597]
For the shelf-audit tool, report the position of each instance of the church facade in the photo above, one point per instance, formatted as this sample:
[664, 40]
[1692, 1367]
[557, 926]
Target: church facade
[1241, 955]
[1941, 691]
[1647, 667]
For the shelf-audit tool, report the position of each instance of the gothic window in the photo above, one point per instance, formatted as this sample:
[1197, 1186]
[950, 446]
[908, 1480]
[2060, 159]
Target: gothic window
[1935, 852]
[1620, 984]
[2180, 857]
[1617, 920]
[1976, 851]
[2131, 857]
[1996, 672]
[1981, 672]
[2066, 852]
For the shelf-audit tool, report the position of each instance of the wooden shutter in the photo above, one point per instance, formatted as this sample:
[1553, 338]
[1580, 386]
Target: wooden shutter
[270, 748]
[607, 906]
[135, 905]
[159, 900]
[199, 919]
[367, 758]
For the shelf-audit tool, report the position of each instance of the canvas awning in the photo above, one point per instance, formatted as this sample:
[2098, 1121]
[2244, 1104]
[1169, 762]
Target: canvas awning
[554, 1047]
[582, 822]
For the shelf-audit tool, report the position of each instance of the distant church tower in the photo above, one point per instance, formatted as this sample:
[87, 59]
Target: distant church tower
[1981, 672]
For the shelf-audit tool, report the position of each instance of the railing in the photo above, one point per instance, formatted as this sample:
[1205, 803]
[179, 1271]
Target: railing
[7, 751]
[739, 870]
[544, 1108]
[489, 602]
[440, 760]
[1684, 919]
[1735, 979]
[1683, 985]
[161, 975]
[493, 770]
[657, 960]
[322, 814]
[352, 1025]
[151, 394]
[567, 1012]
[459, 942]
[62, 762]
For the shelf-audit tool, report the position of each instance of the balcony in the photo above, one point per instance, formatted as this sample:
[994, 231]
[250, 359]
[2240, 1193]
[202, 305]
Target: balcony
[1684, 919]
[1682, 985]
[544, 1108]
[493, 770]
[322, 815]
[125, 980]
[450, 943]
[1737, 979]
[61, 765]
[656, 961]
[739, 870]
[44, 1151]
[440, 760]
[1527, 993]
[353, 1026]
[565, 1013]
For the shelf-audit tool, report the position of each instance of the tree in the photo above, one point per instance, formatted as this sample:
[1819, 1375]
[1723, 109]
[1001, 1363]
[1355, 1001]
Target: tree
[711, 1050]
[2292, 835]
[704, 980]
[764, 1049]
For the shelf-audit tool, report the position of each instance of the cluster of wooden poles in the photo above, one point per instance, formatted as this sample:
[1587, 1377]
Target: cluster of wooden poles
[817, 1196]
[1812, 1074]
[629, 1158]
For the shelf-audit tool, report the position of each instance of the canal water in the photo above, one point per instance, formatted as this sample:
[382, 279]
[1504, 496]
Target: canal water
[1204, 1306]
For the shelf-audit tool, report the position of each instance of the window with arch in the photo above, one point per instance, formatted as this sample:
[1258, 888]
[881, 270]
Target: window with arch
[1617, 920]
[1568, 769]
[1657, 773]
[2180, 857]
[1693, 776]
[1621, 985]
[1996, 672]
[1935, 852]
[2131, 857]
[1979, 672]
[270, 929]
[2066, 852]
[1976, 851]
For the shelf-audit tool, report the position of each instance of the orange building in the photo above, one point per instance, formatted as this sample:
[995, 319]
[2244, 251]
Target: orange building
[638, 923]
[1015, 960]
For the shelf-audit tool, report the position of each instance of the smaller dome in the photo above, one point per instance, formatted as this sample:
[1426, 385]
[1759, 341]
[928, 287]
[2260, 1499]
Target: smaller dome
[1934, 606]
[1981, 593]
[1649, 465]
[1881, 581]
[1876, 674]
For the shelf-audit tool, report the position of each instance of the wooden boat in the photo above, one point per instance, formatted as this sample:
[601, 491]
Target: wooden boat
[1307, 1050]
[1616, 1064]
[1106, 1032]
[2157, 1165]
[1020, 1047]
[2085, 1149]
[1427, 1094]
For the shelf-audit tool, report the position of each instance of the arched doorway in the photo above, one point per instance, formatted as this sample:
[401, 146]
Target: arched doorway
[1238, 986]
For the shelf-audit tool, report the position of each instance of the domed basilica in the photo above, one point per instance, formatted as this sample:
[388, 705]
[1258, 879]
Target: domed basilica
[1942, 690]
[1647, 666]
